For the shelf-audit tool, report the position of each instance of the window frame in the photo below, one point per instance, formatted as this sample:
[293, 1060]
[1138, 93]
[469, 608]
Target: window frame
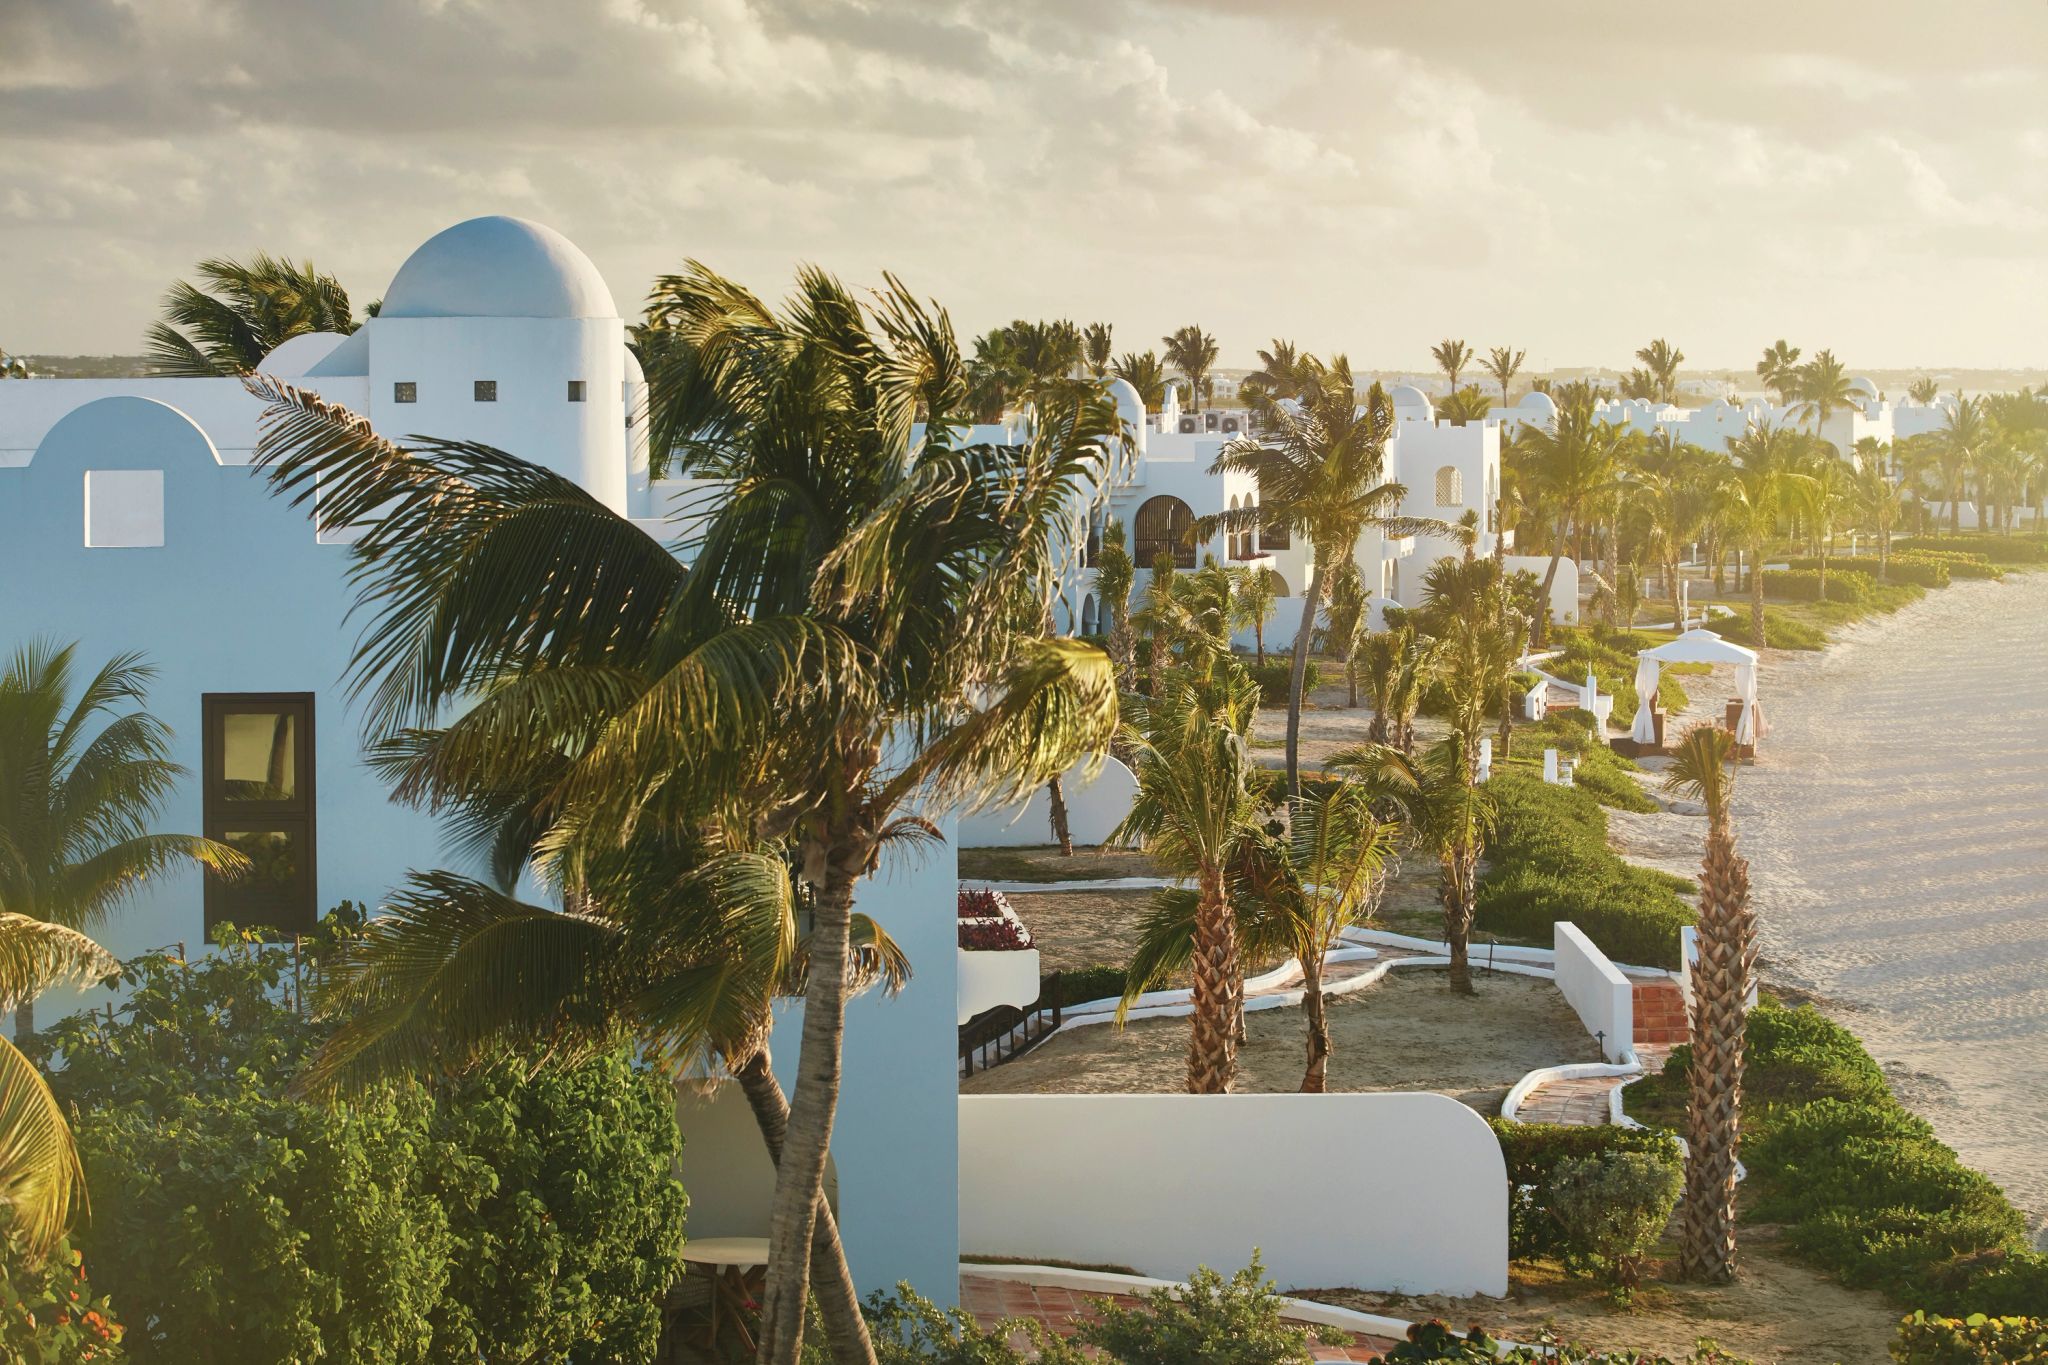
[405, 391]
[579, 391]
[484, 390]
[297, 816]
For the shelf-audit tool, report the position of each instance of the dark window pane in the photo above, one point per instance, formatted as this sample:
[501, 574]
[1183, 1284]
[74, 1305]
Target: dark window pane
[259, 756]
[576, 390]
[274, 891]
[405, 391]
[486, 390]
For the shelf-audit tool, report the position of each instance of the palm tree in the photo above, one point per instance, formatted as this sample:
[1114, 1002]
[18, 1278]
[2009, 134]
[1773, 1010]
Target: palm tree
[1824, 388]
[42, 1183]
[1879, 499]
[1344, 624]
[1779, 369]
[1452, 356]
[1281, 374]
[1662, 360]
[851, 588]
[1398, 664]
[1114, 575]
[1825, 495]
[1322, 472]
[1257, 590]
[1465, 406]
[76, 804]
[1503, 364]
[1095, 345]
[1702, 769]
[1145, 374]
[1192, 351]
[1447, 812]
[1957, 448]
[1196, 807]
[1760, 489]
[1924, 390]
[1567, 467]
[1340, 852]
[250, 311]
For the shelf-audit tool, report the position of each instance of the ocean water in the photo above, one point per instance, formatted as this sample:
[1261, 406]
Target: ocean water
[1897, 830]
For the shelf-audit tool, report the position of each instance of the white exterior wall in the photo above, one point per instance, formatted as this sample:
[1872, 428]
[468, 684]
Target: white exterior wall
[1108, 1178]
[1596, 989]
[1095, 806]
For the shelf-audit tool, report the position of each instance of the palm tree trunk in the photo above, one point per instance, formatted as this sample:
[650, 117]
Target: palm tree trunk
[846, 1331]
[1459, 866]
[1727, 963]
[1677, 606]
[1884, 554]
[1351, 683]
[1314, 1080]
[800, 1176]
[1540, 626]
[1297, 680]
[1062, 831]
[1160, 658]
[1756, 592]
[1259, 641]
[1212, 1042]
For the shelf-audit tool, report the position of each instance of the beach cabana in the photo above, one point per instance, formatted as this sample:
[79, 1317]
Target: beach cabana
[1696, 647]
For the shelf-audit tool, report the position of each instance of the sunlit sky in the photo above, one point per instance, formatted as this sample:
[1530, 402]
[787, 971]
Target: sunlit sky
[1573, 178]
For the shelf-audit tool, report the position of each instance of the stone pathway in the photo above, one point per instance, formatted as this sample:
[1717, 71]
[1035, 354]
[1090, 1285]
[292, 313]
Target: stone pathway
[990, 1300]
[1659, 1025]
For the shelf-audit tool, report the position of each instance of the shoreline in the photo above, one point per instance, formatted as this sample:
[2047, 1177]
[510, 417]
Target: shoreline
[1904, 950]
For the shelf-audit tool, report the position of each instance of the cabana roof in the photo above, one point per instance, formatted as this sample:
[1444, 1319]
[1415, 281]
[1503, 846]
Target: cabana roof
[1699, 646]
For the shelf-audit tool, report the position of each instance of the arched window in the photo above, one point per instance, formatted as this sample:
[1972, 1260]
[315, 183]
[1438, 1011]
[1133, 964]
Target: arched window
[1163, 523]
[1233, 542]
[1279, 584]
[1088, 614]
[1450, 486]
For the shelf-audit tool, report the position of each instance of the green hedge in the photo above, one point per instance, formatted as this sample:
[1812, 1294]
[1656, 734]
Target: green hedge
[1960, 565]
[1803, 585]
[1275, 674]
[1927, 573]
[1780, 630]
[1080, 985]
[1998, 549]
[1532, 1152]
[1863, 1185]
[1549, 861]
[1975, 1340]
[1600, 770]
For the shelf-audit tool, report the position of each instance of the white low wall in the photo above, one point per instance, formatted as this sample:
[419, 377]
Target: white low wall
[1094, 808]
[1166, 1183]
[1564, 589]
[991, 977]
[1597, 990]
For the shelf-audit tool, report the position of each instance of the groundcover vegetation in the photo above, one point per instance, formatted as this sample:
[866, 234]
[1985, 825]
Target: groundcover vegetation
[511, 1214]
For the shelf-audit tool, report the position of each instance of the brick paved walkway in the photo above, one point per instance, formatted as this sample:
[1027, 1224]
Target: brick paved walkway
[1659, 1024]
[990, 1300]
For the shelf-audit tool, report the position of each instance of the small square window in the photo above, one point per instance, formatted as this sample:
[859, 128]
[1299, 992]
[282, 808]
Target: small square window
[576, 390]
[124, 508]
[405, 391]
[486, 390]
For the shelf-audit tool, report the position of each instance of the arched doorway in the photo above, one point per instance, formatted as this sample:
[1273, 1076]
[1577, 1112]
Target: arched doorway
[1088, 615]
[1164, 523]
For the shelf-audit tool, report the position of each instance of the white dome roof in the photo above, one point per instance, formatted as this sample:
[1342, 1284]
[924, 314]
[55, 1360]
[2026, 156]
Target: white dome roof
[498, 267]
[1865, 383]
[1535, 400]
[293, 357]
[1408, 396]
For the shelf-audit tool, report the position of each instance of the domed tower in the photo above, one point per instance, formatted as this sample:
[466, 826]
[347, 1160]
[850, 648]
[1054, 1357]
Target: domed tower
[500, 331]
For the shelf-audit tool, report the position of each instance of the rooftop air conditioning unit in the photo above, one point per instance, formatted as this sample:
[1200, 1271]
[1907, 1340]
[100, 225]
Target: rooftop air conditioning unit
[1230, 424]
[1188, 427]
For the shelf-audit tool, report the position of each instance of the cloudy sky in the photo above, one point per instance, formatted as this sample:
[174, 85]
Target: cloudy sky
[1569, 177]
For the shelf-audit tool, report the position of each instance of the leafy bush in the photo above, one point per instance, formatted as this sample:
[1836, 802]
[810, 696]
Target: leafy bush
[49, 1315]
[1997, 549]
[1975, 1340]
[1925, 572]
[1275, 674]
[1548, 860]
[1599, 770]
[1804, 585]
[1780, 631]
[1611, 1208]
[1611, 656]
[1533, 1152]
[909, 1329]
[1210, 1319]
[1079, 985]
[497, 1216]
[1433, 1341]
[1960, 565]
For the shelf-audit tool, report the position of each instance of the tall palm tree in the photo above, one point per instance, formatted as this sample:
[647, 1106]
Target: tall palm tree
[1192, 351]
[1879, 499]
[851, 590]
[1399, 662]
[1322, 473]
[1281, 374]
[1115, 573]
[1779, 369]
[1465, 406]
[1447, 812]
[1702, 769]
[42, 1183]
[1668, 508]
[1824, 388]
[1760, 490]
[1257, 590]
[1566, 468]
[1340, 852]
[1957, 447]
[239, 313]
[1824, 497]
[1503, 363]
[1345, 622]
[1924, 390]
[1452, 356]
[76, 802]
[1095, 346]
[1196, 808]
[1145, 374]
[1662, 359]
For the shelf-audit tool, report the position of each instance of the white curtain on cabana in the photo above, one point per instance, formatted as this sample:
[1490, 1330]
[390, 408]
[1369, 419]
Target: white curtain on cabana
[1698, 646]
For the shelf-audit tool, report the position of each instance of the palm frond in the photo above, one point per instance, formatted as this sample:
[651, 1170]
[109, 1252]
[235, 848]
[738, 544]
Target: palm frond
[42, 1182]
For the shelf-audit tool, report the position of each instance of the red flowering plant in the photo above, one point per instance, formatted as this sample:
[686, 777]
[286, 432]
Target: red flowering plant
[988, 924]
[49, 1314]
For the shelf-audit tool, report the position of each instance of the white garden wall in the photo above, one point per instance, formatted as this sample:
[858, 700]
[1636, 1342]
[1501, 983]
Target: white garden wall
[990, 977]
[1095, 806]
[1165, 1183]
[1597, 990]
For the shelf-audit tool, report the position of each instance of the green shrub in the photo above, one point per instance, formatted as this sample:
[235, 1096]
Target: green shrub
[1996, 549]
[50, 1315]
[494, 1216]
[1079, 985]
[1804, 585]
[1275, 674]
[1548, 860]
[1211, 1319]
[1975, 1340]
[1611, 1208]
[1436, 1342]
[909, 1329]
[1599, 770]
[1925, 572]
[1780, 631]
[1534, 1151]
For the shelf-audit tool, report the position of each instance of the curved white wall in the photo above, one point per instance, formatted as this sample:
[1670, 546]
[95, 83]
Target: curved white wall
[1165, 1183]
[1094, 808]
[1597, 990]
[991, 977]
